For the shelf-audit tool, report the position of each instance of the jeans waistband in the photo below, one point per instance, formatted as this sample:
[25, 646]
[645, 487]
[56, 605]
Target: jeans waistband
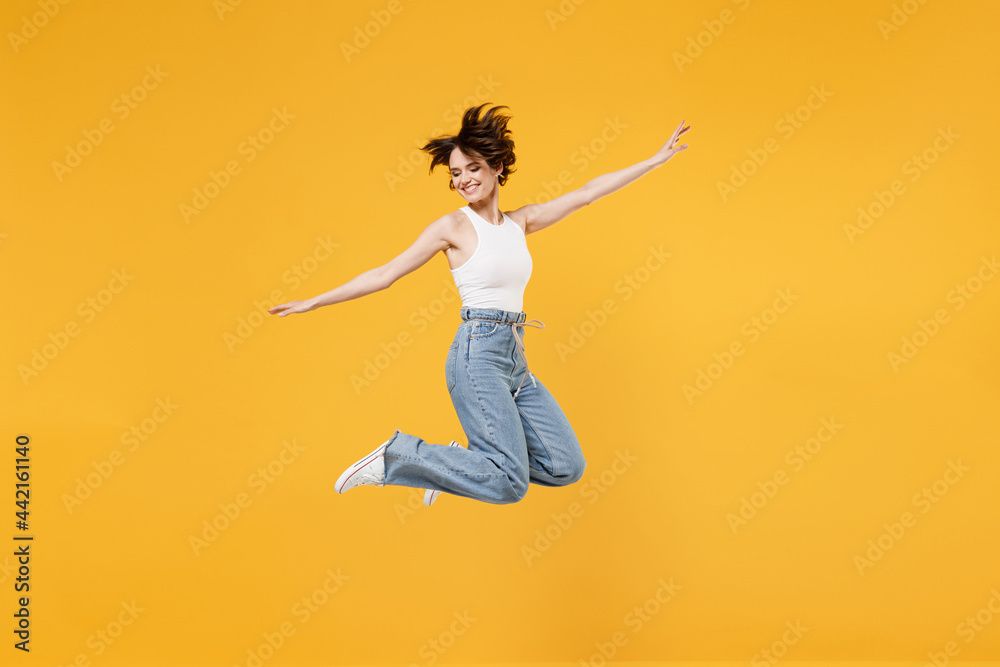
[515, 319]
[493, 314]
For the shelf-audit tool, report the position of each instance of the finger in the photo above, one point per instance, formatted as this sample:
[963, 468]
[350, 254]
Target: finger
[673, 135]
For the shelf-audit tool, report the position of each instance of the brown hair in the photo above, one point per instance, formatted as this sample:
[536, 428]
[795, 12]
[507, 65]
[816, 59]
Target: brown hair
[487, 138]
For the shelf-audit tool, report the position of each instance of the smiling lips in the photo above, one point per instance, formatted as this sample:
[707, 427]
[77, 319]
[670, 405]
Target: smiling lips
[471, 189]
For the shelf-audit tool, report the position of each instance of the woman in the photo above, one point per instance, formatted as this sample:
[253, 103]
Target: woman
[517, 432]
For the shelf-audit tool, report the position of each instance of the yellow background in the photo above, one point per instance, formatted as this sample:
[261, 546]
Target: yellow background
[568, 72]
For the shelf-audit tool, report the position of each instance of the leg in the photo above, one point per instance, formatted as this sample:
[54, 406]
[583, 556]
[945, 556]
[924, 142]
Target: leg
[554, 454]
[494, 468]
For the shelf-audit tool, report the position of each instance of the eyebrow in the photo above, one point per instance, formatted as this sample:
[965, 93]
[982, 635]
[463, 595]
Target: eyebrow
[473, 162]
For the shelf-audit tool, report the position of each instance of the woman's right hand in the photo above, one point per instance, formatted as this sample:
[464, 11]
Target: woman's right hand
[301, 306]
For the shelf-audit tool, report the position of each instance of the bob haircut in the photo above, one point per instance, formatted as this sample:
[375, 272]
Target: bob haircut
[485, 138]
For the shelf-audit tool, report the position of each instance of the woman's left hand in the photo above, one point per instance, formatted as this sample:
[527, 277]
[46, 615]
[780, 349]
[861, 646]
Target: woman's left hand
[669, 148]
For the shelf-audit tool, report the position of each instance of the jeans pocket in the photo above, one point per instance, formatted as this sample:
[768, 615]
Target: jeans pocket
[484, 329]
[451, 367]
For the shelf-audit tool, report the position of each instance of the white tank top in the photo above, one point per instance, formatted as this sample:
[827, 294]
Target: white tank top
[498, 271]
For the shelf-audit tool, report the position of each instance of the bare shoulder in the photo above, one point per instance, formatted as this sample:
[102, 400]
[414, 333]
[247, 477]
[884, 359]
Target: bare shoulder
[449, 226]
[451, 231]
[439, 235]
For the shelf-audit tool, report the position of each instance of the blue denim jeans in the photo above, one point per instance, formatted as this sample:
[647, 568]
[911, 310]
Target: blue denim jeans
[516, 431]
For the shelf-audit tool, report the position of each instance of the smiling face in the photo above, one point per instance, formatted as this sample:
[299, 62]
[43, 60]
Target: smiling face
[472, 177]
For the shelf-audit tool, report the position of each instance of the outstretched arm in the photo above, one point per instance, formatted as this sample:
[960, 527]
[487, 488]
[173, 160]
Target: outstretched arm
[540, 216]
[431, 240]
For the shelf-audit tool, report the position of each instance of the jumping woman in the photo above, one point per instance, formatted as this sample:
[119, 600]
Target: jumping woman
[517, 432]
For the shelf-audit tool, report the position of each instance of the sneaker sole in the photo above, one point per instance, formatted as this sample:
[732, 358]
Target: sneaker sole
[430, 495]
[347, 474]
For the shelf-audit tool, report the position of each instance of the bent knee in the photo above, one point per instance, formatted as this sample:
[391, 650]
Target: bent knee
[513, 491]
[576, 472]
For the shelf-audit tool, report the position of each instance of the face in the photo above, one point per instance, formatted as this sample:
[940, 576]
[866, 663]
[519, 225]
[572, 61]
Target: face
[472, 177]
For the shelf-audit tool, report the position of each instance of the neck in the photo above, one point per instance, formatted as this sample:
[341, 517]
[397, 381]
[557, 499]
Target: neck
[488, 209]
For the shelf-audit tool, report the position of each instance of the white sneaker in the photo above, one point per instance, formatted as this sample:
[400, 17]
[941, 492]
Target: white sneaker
[367, 470]
[430, 495]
